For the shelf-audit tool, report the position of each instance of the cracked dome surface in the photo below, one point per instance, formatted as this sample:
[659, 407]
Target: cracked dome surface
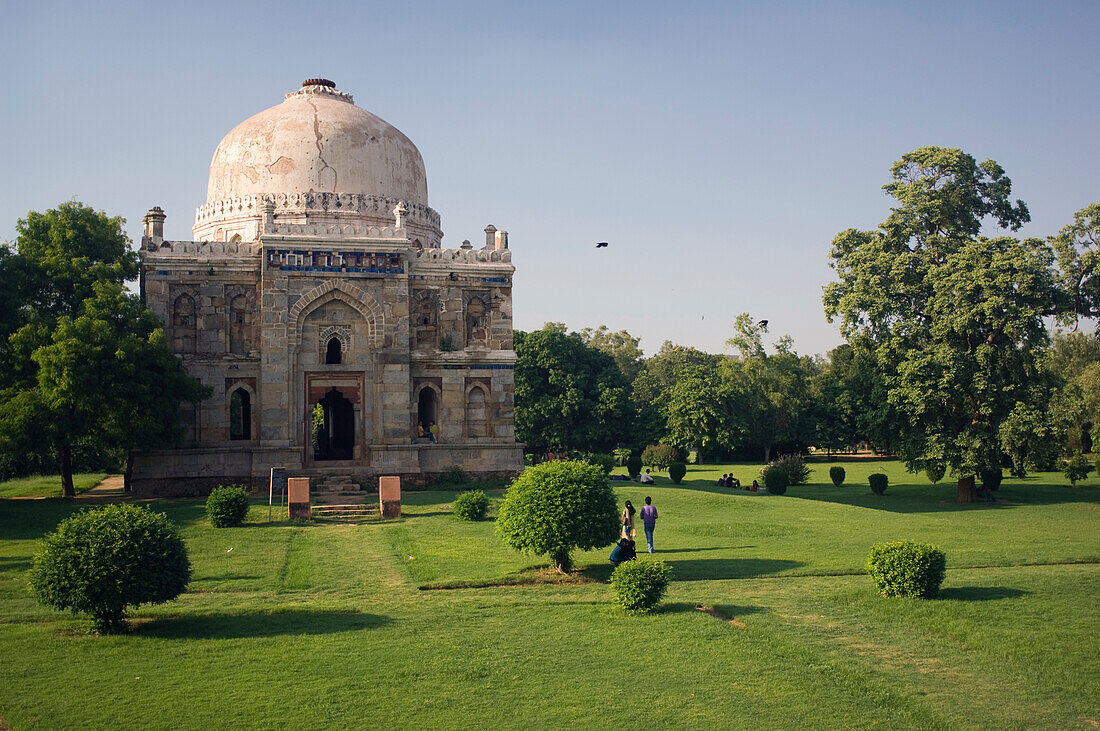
[316, 141]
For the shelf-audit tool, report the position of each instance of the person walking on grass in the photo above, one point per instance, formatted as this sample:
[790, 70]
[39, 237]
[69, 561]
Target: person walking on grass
[649, 521]
[628, 521]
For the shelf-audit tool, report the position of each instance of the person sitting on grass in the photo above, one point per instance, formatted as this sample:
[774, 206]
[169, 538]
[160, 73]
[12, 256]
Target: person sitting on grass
[755, 486]
[721, 481]
[623, 551]
[646, 478]
[734, 482]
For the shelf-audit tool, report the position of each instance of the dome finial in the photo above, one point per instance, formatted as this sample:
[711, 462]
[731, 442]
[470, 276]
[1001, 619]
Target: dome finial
[319, 82]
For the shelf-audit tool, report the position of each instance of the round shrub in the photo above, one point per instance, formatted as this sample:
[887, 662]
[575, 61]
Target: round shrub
[227, 506]
[471, 505]
[878, 482]
[638, 585]
[554, 507]
[991, 479]
[676, 472]
[935, 472]
[794, 467]
[775, 479]
[906, 568]
[606, 462]
[634, 466]
[102, 561]
[837, 474]
[658, 456]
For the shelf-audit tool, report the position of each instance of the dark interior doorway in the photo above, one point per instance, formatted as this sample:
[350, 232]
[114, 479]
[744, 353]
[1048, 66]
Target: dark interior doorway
[336, 439]
[332, 352]
[426, 407]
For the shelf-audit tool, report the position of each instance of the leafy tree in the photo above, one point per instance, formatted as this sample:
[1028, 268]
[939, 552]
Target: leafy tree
[621, 345]
[698, 409]
[107, 375]
[772, 390]
[105, 560]
[568, 395]
[1075, 361]
[555, 507]
[1076, 468]
[1078, 247]
[849, 400]
[653, 383]
[955, 319]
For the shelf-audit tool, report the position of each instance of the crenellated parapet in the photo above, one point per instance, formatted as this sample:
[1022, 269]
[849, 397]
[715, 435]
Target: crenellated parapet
[334, 230]
[222, 218]
[205, 249]
[462, 256]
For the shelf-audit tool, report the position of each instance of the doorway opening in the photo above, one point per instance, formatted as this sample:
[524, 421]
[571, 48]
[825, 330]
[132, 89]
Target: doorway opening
[427, 406]
[334, 431]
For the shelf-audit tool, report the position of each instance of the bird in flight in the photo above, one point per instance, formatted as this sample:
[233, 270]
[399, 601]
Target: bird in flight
[763, 323]
[601, 245]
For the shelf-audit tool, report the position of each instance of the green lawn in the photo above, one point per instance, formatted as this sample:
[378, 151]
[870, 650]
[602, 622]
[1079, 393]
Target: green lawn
[48, 485]
[327, 625]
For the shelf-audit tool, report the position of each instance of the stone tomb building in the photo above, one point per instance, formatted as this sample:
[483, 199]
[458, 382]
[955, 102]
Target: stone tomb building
[316, 302]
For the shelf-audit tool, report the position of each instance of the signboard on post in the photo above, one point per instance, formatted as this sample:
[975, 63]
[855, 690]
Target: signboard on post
[277, 487]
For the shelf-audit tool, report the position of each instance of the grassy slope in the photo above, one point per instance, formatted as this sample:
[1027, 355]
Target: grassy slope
[47, 485]
[323, 625]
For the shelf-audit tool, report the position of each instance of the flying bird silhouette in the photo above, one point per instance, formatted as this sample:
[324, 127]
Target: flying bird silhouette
[601, 245]
[763, 323]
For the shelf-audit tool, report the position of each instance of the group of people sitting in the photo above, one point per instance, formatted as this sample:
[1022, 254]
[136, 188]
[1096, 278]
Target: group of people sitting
[731, 481]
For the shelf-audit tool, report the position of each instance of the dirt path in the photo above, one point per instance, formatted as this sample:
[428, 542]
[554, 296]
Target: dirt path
[108, 490]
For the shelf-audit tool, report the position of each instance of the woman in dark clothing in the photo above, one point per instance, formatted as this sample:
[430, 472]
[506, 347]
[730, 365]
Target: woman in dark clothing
[623, 551]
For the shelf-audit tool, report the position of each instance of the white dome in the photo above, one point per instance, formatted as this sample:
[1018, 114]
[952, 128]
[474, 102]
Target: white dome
[317, 141]
[316, 158]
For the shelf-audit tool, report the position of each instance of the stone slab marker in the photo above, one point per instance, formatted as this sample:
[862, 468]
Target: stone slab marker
[298, 498]
[389, 496]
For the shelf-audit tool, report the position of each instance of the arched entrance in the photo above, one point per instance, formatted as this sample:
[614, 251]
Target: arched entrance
[336, 429]
[427, 407]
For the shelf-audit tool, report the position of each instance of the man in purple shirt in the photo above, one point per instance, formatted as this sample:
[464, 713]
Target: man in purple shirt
[649, 520]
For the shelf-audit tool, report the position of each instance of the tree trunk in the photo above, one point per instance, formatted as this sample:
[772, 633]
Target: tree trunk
[562, 562]
[66, 454]
[767, 453]
[128, 475]
[966, 492]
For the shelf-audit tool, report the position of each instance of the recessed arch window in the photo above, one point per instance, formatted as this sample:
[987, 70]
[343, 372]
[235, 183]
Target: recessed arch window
[477, 413]
[240, 414]
[184, 331]
[333, 352]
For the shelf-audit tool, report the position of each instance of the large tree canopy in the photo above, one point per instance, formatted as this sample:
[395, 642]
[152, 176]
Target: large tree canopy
[88, 365]
[568, 395]
[954, 318]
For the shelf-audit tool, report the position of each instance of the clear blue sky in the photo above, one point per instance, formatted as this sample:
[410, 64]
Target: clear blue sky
[718, 147]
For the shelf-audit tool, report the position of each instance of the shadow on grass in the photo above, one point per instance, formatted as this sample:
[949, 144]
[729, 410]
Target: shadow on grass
[14, 564]
[239, 626]
[980, 593]
[697, 569]
[940, 498]
[729, 610]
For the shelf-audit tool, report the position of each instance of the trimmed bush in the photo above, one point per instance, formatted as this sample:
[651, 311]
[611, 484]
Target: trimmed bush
[227, 506]
[878, 482]
[837, 474]
[991, 479]
[637, 586]
[935, 472]
[454, 476]
[606, 462]
[1076, 468]
[471, 505]
[676, 472]
[794, 467]
[658, 456]
[554, 507]
[634, 466]
[102, 561]
[906, 568]
[775, 479]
